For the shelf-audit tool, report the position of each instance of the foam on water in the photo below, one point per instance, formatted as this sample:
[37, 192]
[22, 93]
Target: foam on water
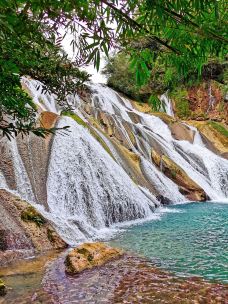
[87, 189]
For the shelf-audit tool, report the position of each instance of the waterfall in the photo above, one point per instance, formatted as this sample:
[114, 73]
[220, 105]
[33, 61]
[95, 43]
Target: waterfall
[89, 192]
[197, 137]
[211, 101]
[87, 189]
[167, 103]
[3, 184]
[23, 185]
[203, 166]
[44, 100]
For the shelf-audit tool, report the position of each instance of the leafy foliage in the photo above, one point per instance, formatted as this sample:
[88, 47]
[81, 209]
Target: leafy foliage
[27, 48]
[181, 35]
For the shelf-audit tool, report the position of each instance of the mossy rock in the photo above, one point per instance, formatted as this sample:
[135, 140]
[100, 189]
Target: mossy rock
[219, 127]
[30, 214]
[2, 288]
[90, 255]
[180, 98]
[169, 120]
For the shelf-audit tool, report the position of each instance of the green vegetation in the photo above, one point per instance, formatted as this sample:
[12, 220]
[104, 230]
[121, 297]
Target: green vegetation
[179, 97]
[162, 78]
[158, 37]
[219, 127]
[30, 214]
[30, 45]
[122, 78]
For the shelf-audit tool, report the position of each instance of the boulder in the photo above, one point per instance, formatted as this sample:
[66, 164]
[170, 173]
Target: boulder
[89, 255]
[165, 201]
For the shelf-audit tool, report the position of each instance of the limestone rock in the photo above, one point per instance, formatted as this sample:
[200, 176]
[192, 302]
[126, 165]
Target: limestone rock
[213, 136]
[186, 185]
[89, 255]
[23, 230]
[181, 132]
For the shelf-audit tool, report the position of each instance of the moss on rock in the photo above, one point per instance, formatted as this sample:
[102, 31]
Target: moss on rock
[30, 214]
[89, 255]
[180, 98]
[75, 117]
[2, 288]
[219, 127]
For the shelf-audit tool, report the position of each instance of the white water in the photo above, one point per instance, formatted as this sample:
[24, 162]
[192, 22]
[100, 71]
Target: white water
[197, 137]
[45, 101]
[24, 188]
[87, 189]
[167, 103]
[203, 166]
[88, 192]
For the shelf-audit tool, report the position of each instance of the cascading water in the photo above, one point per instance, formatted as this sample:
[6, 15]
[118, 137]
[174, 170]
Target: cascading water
[45, 101]
[211, 101]
[167, 104]
[23, 185]
[87, 191]
[203, 166]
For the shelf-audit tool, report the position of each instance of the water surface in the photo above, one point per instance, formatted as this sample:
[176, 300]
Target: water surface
[189, 240]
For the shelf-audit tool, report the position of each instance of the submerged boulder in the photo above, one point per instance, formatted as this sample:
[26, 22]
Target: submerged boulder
[2, 288]
[89, 255]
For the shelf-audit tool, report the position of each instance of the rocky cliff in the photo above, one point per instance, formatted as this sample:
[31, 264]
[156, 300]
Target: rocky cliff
[23, 230]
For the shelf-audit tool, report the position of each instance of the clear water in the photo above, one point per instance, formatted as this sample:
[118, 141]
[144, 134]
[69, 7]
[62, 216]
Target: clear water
[190, 240]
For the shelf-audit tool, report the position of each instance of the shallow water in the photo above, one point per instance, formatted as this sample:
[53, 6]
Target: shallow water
[24, 277]
[128, 279]
[171, 241]
[189, 239]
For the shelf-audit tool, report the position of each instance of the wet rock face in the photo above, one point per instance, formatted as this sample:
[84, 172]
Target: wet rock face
[89, 255]
[35, 153]
[214, 136]
[163, 200]
[6, 164]
[187, 186]
[23, 231]
[181, 132]
[199, 101]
